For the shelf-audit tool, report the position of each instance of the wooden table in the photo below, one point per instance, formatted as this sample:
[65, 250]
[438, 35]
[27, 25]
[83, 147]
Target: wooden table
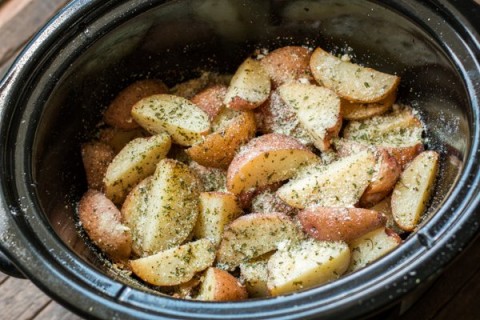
[455, 295]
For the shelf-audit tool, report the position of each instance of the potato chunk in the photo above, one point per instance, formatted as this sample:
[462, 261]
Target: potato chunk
[102, 222]
[372, 246]
[253, 235]
[361, 111]
[265, 160]
[307, 264]
[217, 209]
[176, 265]
[184, 121]
[210, 100]
[249, 88]
[412, 192]
[255, 275]
[96, 157]
[351, 81]
[172, 206]
[219, 285]
[338, 184]
[136, 161]
[317, 109]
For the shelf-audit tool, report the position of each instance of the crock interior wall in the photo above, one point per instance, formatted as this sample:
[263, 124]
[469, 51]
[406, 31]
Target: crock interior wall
[174, 41]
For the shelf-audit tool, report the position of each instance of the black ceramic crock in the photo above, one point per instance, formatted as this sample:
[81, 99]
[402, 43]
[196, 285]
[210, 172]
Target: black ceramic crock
[55, 92]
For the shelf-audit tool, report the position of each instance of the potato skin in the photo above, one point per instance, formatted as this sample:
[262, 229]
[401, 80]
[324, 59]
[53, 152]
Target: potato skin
[211, 99]
[102, 222]
[220, 285]
[96, 157]
[287, 64]
[345, 224]
[118, 112]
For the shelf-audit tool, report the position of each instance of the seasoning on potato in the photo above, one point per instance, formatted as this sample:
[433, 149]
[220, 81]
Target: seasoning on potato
[290, 174]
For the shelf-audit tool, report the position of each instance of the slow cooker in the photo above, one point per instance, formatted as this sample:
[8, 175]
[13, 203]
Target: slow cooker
[55, 93]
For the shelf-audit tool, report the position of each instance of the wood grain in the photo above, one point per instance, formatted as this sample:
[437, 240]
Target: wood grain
[3, 277]
[20, 299]
[54, 311]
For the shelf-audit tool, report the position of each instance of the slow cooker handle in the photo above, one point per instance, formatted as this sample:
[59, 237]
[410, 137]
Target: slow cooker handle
[7, 267]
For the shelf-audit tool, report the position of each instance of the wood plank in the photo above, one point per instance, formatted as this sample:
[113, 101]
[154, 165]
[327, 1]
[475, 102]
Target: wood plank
[20, 19]
[21, 299]
[54, 311]
[3, 277]
[447, 287]
[466, 303]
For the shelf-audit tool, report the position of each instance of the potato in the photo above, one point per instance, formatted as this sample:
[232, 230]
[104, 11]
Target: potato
[134, 214]
[384, 179]
[118, 112]
[253, 235]
[254, 274]
[351, 81]
[219, 285]
[372, 246]
[249, 88]
[211, 99]
[361, 111]
[118, 138]
[245, 198]
[218, 149]
[266, 160]
[96, 157]
[217, 209]
[212, 179]
[185, 122]
[268, 201]
[287, 64]
[318, 110]
[172, 206]
[412, 192]
[398, 132]
[188, 89]
[340, 224]
[276, 116]
[134, 163]
[176, 265]
[305, 265]
[102, 222]
[338, 184]
[385, 207]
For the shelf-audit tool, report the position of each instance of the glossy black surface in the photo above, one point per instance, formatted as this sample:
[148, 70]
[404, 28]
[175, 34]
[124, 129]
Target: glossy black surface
[53, 97]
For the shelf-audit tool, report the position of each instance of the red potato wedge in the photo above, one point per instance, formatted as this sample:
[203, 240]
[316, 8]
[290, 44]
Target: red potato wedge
[172, 206]
[249, 88]
[212, 179]
[317, 109]
[118, 113]
[218, 149]
[96, 157]
[276, 116]
[217, 209]
[211, 99]
[351, 81]
[361, 111]
[254, 274]
[305, 265]
[246, 198]
[269, 201]
[287, 64]
[266, 160]
[385, 207]
[412, 192]
[188, 89]
[181, 119]
[384, 179]
[340, 224]
[134, 214]
[252, 235]
[102, 222]
[338, 184]
[219, 285]
[118, 138]
[176, 265]
[372, 246]
[136, 161]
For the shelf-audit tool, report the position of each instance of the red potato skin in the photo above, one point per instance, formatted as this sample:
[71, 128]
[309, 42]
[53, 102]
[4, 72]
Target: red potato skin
[384, 182]
[228, 287]
[245, 198]
[340, 224]
[287, 64]
[118, 113]
[102, 221]
[211, 99]
[96, 157]
[240, 104]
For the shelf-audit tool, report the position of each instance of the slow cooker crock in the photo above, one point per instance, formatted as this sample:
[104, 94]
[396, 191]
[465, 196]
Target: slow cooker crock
[54, 94]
